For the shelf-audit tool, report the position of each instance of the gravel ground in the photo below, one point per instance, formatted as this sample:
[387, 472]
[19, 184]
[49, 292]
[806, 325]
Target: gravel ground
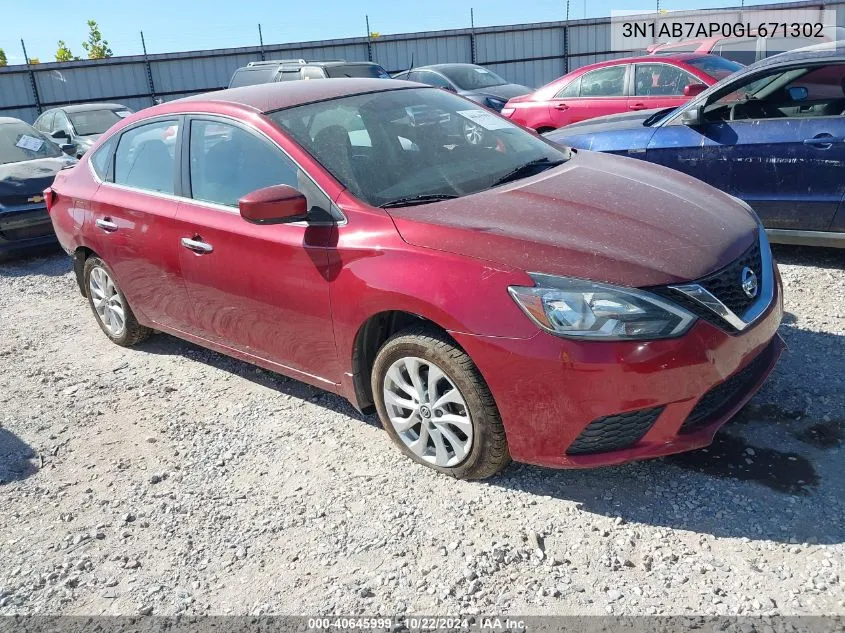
[169, 479]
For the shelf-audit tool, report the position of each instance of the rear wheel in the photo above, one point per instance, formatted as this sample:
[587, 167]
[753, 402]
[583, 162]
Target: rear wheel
[110, 308]
[436, 407]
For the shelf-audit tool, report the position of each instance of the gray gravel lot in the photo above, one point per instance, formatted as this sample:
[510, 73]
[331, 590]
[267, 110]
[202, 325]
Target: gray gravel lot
[169, 479]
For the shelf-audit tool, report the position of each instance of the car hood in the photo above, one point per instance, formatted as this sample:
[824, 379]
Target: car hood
[20, 181]
[609, 123]
[505, 91]
[599, 217]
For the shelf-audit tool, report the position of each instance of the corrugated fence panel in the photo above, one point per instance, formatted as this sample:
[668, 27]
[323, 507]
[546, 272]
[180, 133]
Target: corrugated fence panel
[90, 83]
[589, 38]
[532, 74]
[198, 73]
[25, 114]
[395, 55]
[349, 52]
[15, 90]
[136, 103]
[518, 45]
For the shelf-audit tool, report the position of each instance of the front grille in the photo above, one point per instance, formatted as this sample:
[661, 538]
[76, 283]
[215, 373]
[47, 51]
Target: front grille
[724, 395]
[614, 432]
[725, 285]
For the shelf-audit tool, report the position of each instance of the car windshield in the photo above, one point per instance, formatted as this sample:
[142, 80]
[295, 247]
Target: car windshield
[357, 70]
[93, 121]
[20, 142]
[415, 145]
[716, 67]
[472, 77]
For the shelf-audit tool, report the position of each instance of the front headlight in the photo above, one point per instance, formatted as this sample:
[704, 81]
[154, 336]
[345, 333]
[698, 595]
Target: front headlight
[585, 309]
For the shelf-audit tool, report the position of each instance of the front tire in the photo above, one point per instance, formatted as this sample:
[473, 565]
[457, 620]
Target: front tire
[109, 305]
[436, 407]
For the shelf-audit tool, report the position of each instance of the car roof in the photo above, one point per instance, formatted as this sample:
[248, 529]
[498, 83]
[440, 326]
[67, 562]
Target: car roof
[10, 119]
[445, 66]
[85, 107]
[817, 52]
[275, 96]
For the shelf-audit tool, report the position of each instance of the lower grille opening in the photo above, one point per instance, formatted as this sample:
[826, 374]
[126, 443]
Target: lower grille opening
[614, 432]
[724, 395]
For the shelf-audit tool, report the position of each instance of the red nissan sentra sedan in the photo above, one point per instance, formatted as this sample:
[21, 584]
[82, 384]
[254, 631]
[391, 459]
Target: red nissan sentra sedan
[505, 299]
[616, 86]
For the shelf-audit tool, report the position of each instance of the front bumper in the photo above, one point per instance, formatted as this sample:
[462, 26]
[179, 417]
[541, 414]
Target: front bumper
[24, 229]
[550, 389]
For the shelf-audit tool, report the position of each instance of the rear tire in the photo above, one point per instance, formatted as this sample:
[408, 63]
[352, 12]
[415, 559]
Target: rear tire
[443, 414]
[109, 305]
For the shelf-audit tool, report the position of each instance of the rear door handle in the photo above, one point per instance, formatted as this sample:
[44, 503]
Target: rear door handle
[106, 224]
[561, 106]
[824, 140]
[637, 106]
[197, 245]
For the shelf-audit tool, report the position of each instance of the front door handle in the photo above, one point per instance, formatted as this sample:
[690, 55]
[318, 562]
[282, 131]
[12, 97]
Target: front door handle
[637, 106]
[106, 224]
[823, 141]
[197, 245]
[561, 106]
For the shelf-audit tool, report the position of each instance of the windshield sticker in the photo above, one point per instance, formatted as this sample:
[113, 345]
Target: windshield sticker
[29, 142]
[123, 113]
[487, 120]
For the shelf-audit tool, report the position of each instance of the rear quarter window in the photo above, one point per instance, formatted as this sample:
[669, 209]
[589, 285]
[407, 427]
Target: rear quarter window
[101, 160]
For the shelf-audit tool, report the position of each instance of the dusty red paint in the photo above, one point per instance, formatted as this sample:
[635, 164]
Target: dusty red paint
[292, 298]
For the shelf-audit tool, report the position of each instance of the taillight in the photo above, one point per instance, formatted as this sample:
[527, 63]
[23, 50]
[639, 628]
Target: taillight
[50, 198]
[508, 112]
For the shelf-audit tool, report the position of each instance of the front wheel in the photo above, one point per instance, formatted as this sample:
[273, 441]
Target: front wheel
[436, 407]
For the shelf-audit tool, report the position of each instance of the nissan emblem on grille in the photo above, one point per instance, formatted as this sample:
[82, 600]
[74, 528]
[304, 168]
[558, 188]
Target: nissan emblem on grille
[749, 282]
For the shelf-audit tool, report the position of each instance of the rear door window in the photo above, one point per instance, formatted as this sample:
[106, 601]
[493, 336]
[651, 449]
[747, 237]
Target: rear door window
[604, 82]
[145, 157]
[573, 89]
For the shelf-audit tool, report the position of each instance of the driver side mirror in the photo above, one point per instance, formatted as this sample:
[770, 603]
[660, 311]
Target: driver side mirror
[57, 134]
[693, 90]
[449, 88]
[68, 148]
[277, 204]
[693, 116]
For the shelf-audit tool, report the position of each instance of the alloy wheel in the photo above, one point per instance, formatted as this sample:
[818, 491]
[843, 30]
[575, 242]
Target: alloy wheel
[107, 301]
[428, 412]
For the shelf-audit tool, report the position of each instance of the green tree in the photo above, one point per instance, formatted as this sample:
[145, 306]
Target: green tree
[96, 46]
[34, 60]
[63, 54]
[3, 60]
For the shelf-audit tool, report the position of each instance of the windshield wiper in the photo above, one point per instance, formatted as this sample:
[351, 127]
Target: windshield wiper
[538, 165]
[412, 200]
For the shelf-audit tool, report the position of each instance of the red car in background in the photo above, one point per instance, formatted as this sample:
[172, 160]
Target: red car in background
[619, 85]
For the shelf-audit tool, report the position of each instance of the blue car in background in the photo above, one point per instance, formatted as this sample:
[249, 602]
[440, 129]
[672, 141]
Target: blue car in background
[772, 134]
